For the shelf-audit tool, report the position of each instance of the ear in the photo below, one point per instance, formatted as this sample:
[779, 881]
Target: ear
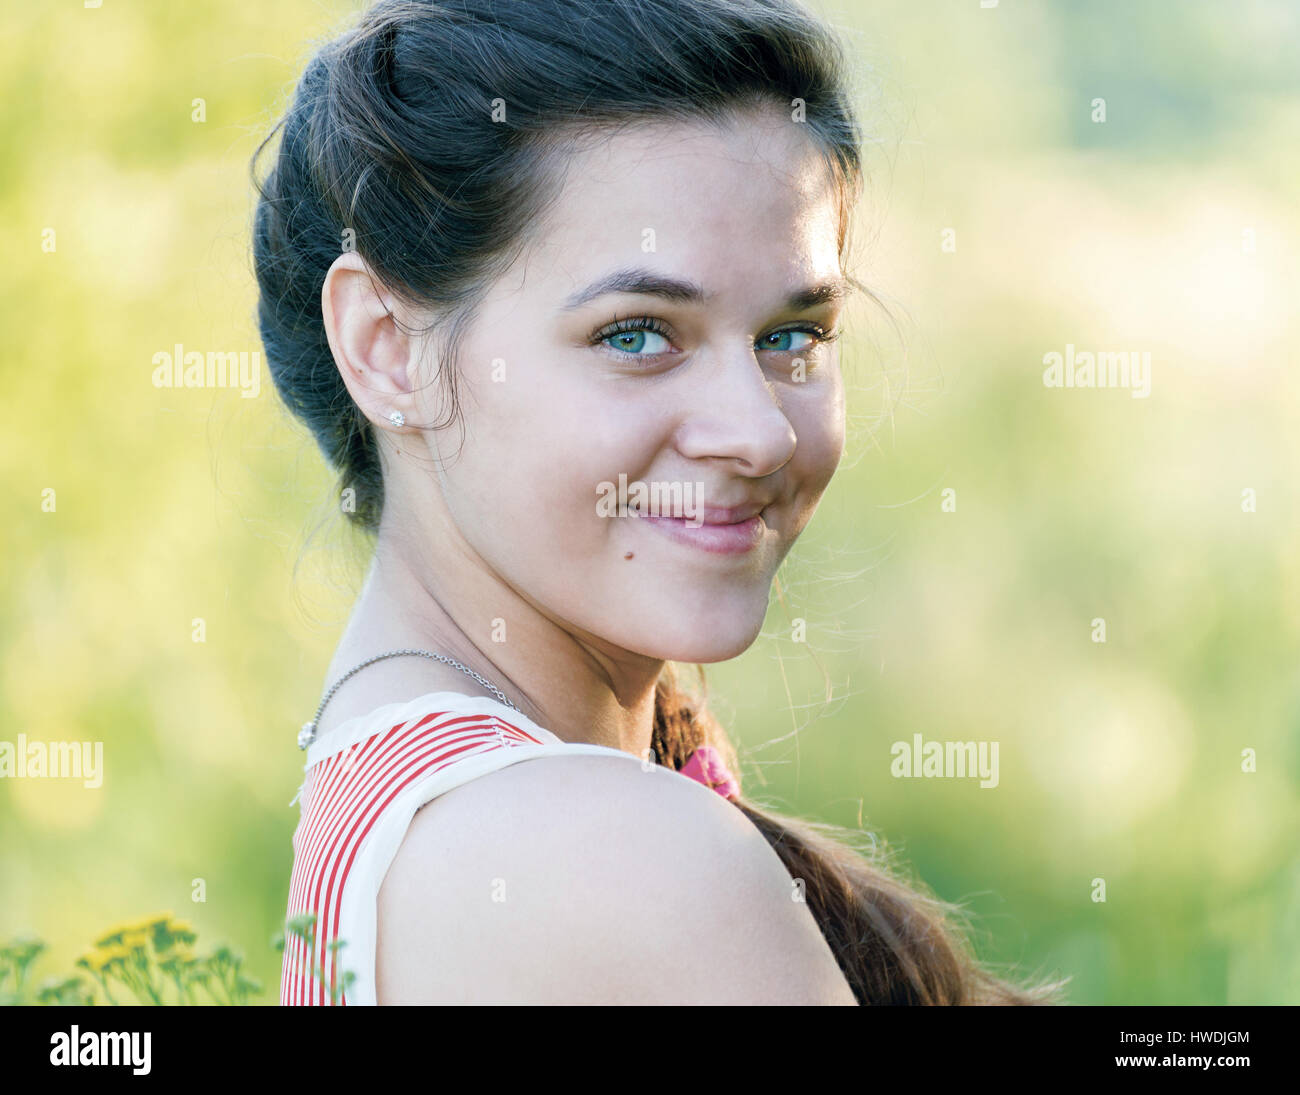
[373, 355]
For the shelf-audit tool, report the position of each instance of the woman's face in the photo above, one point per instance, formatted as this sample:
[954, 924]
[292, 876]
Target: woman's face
[663, 328]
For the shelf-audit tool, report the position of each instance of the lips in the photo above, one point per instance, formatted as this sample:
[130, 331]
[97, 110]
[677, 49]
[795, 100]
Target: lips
[710, 514]
[736, 535]
[729, 515]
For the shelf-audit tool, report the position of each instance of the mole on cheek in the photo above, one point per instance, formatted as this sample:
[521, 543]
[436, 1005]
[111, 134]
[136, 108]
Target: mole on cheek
[628, 555]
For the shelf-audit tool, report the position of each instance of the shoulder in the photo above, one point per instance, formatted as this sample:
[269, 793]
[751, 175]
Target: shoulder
[587, 879]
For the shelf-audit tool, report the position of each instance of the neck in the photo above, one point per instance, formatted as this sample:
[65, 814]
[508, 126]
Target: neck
[573, 685]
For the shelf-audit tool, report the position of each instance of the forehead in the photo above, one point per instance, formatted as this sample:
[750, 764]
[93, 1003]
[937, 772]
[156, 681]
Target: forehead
[730, 204]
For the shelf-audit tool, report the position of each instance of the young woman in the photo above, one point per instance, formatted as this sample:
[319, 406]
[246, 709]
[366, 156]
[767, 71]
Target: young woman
[513, 253]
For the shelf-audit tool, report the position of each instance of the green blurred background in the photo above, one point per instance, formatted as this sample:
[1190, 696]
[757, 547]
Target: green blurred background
[1171, 227]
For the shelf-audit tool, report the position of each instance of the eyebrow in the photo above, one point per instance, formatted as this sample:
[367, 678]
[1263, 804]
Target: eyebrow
[678, 291]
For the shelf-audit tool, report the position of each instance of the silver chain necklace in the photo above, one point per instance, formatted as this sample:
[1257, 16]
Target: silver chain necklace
[308, 732]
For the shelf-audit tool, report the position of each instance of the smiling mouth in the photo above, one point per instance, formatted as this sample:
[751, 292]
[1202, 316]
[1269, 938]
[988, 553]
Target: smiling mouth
[717, 537]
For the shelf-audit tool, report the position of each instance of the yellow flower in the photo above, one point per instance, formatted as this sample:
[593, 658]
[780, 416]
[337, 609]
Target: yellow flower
[115, 933]
[116, 952]
[135, 940]
[182, 931]
[93, 961]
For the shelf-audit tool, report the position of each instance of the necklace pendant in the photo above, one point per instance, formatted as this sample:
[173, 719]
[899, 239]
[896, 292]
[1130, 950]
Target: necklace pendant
[306, 734]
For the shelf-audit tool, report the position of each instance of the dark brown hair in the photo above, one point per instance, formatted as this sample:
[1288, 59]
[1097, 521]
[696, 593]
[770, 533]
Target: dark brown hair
[430, 138]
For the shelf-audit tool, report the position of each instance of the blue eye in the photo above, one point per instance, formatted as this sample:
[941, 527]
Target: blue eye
[647, 337]
[634, 342]
[783, 340]
[636, 338]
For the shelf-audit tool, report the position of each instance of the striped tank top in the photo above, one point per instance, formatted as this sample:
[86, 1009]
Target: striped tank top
[364, 782]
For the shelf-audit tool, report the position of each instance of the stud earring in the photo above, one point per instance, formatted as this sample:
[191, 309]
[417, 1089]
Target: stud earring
[397, 418]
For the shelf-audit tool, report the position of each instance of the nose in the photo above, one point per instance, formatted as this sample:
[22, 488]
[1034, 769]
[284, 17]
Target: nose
[735, 415]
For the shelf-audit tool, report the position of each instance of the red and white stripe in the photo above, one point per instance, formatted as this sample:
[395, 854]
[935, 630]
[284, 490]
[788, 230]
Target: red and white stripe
[345, 794]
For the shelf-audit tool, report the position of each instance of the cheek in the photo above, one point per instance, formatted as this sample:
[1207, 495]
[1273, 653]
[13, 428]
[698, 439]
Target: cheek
[523, 485]
[817, 415]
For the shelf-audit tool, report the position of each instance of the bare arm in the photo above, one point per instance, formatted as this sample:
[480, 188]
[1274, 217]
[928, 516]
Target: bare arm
[586, 880]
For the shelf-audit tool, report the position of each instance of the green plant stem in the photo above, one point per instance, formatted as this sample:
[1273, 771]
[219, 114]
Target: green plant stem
[103, 981]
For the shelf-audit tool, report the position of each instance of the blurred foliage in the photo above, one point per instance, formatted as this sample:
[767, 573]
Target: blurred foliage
[1119, 760]
[147, 961]
[152, 962]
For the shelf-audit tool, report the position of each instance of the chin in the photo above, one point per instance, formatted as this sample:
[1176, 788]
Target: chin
[702, 635]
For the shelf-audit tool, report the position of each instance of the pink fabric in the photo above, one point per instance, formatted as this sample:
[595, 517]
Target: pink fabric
[706, 767]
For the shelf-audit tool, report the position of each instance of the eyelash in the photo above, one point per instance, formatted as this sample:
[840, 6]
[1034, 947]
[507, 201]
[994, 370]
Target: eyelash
[657, 326]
